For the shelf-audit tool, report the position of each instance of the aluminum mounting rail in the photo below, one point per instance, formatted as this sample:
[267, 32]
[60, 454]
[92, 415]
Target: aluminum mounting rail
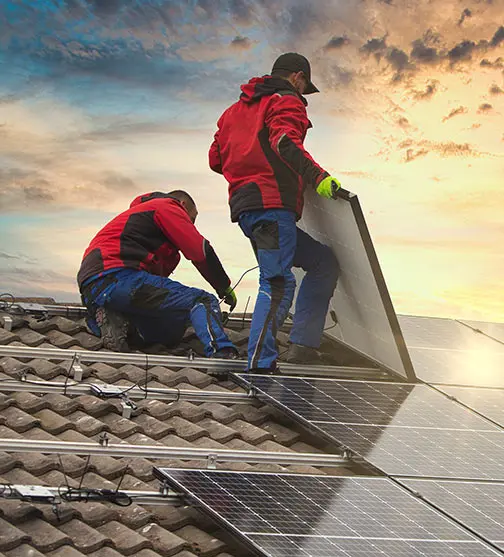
[211, 364]
[116, 391]
[211, 456]
[51, 495]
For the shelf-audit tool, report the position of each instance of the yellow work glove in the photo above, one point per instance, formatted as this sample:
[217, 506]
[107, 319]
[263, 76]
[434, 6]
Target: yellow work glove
[230, 298]
[328, 187]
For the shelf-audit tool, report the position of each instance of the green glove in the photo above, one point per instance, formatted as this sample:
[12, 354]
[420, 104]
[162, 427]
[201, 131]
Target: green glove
[230, 298]
[328, 187]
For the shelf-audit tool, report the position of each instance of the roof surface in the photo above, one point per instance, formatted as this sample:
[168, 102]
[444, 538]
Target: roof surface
[101, 529]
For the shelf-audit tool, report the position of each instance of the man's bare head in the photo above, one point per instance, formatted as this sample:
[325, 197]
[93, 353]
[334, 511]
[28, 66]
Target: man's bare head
[186, 201]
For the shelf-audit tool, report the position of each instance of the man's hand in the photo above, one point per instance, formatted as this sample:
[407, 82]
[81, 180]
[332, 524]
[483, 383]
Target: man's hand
[230, 298]
[328, 187]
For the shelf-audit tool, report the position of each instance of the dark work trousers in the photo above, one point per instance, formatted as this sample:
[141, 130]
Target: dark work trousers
[280, 245]
[159, 308]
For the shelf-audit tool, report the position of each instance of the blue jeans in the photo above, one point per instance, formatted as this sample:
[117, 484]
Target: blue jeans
[159, 308]
[280, 245]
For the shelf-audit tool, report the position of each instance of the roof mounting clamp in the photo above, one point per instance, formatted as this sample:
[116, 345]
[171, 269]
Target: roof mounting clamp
[7, 323]
[128, 407]
[212, 461]
[30, 493]
[103, 439]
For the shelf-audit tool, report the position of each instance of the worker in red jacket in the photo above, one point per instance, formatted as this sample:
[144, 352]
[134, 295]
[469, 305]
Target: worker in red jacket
[123, 278]
[258, 147]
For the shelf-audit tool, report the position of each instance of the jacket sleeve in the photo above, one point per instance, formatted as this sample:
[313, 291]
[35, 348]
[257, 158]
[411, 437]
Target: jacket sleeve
[288, 122]
[178, 228]
[214, 158]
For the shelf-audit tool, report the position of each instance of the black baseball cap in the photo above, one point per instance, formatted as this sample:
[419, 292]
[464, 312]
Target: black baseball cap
[294, 62]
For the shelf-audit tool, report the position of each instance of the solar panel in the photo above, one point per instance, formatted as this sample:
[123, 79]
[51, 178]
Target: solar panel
[494, 330]
[446, 351]
[400, 428]
[318, 516]
[366, 318]
[488, 402]
[477, 505]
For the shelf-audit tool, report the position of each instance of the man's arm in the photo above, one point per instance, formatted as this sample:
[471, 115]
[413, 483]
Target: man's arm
[287, 122]
[178, 228]
[214, 158]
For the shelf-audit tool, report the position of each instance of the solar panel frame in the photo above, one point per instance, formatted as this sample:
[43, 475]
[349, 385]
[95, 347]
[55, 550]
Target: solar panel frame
[481, 511]
[367, 321]
[379, 445]
[344, 511]
[493, 330]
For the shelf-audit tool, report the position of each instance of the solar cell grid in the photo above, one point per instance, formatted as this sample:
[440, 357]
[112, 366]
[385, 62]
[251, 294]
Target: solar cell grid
[425, 452]
[366, 403]
[477, 505]
[294, 515]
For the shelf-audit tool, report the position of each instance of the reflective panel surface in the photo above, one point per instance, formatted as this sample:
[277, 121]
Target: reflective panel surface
[446, 351]
[478, 505]
[361, 302]
[318, 516]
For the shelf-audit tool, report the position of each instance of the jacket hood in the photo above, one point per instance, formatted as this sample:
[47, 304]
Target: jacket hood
[147, 197]
[266, 86]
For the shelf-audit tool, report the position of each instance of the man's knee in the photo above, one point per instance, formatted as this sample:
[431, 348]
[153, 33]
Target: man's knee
[329, 268]
[207, 299]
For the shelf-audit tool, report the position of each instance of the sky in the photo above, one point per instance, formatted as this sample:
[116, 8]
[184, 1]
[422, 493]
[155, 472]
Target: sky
[101, 100]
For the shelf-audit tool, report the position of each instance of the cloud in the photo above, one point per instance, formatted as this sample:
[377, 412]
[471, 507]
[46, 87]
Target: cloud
[498, 37]
[424, 54]
[455, 112]
[241, 43]
[498, 63]
[484, 108]
[403, 122]
[465, 14]
[416, 149]
[496, 90]
[375, 45]
[428, 92]
[335, 43]
[462, 51]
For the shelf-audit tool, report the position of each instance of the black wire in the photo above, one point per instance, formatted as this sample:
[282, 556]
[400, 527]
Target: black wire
[69, 371]
[5, 305]
[85, 470]
[241, 278]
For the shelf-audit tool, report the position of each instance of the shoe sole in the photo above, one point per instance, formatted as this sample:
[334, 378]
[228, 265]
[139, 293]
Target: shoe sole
[111, 340]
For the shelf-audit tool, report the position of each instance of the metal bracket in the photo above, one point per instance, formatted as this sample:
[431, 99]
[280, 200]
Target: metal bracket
[212, 462]
[77, 369]
[7, 319]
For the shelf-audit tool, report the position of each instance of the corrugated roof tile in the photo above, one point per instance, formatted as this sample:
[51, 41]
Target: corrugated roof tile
[19, 421]
[10, 536]
[165, 543]
[83, 537]
[125, 540]
[46, 537]
[60, 340]
[200, 542]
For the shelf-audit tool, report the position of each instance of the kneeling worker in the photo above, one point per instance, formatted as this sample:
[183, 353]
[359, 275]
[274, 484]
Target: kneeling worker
[123, 278]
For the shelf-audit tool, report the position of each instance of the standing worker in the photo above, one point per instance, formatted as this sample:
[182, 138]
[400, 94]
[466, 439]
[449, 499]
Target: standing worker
[124, 281]
[258, 147]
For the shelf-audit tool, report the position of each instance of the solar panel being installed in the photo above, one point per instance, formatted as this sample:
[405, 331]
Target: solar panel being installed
[401, 429]
[487, 402]
[446, 351]
[494, 330]
[477, 505]
[366, 318]
[286, 515]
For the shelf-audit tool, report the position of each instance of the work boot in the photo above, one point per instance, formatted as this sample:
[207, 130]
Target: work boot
[114, 329]
[299, 354]
[226, 353]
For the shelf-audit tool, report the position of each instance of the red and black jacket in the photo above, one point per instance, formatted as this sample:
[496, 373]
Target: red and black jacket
[148, 236]
[258, 147]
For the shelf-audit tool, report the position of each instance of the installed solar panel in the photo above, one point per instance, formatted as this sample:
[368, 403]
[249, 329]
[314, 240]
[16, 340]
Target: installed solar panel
[488, 402]
[477, 505]
[446, 351]
[318, 516]
[366, 318]
[494, 330]
[401, 429]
